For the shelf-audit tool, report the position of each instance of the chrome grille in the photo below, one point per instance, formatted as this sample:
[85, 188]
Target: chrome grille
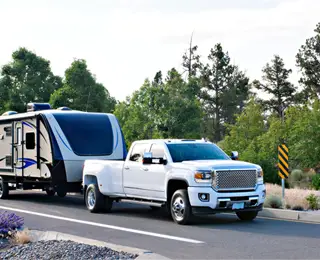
[235, 180]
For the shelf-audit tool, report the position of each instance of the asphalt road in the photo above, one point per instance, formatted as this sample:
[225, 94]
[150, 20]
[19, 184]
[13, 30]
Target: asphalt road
[215, 237]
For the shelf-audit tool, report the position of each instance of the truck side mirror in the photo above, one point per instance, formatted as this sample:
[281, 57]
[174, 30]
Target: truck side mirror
[147, 158]
[235, 155]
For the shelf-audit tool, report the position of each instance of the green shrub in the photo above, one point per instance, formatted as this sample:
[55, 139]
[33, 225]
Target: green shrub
[298, 208]
[313, 202]
[296, 175]
[316, 181]
[273, 201]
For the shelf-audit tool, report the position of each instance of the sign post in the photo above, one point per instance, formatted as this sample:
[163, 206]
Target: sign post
[283, 165]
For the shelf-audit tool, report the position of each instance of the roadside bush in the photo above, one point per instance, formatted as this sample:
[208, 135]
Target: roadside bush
[10, 223]
[296, 175]
[313, 202]
[300, 179]
[316, 181]
[298, 208]
[273, 201]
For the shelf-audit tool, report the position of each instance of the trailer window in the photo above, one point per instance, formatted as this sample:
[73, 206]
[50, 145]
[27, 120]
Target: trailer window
[30, 141]
[88, 134]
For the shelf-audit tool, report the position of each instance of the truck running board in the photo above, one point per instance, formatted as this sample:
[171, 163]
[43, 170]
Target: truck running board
[144, 202]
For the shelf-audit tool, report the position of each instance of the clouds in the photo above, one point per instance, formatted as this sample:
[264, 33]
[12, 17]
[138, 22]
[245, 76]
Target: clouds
[126, 41]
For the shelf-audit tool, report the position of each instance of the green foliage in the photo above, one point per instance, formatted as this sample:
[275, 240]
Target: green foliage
[80, 91]
[276, 83]
[224, 89]
[273, 201]
[27, 78]
[308, 60]
[160, 109]
[313, 202]
[316, 181]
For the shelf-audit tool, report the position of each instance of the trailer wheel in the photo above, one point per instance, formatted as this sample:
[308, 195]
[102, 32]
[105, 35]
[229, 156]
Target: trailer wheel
[50, 192]
[61, 193]
[4, 189]
[95, 201]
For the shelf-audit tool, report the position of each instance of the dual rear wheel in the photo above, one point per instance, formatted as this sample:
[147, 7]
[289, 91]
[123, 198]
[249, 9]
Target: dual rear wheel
[96, 201]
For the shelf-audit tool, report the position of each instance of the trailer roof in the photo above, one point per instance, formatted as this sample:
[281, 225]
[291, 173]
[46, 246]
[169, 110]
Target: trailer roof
[48, 111]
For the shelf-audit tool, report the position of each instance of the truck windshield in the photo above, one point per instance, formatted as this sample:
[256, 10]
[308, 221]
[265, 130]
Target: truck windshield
[192, 152]
[88, 134]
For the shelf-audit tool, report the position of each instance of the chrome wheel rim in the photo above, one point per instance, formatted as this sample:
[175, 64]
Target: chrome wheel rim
[178, 208]
[91, 199]
[1, 190]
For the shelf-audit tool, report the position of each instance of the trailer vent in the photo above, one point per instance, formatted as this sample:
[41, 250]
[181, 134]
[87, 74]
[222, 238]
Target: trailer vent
[9, 113]
[37, 106]
[64, 108]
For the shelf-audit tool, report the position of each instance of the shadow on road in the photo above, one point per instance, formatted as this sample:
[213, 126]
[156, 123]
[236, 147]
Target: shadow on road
[219, 222]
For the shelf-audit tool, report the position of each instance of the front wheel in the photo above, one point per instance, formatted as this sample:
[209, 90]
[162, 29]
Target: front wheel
[180, 207]
[247, 215]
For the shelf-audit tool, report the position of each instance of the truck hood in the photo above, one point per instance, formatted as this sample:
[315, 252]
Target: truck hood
[216, 165]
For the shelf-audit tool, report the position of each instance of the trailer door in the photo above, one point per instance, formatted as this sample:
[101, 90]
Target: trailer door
[18, 149]
[26, 149]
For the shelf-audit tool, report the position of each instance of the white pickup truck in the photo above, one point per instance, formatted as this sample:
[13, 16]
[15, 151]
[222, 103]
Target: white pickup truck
[185, 177]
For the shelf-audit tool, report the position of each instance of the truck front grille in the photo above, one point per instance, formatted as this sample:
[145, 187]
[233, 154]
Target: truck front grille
[235, 180]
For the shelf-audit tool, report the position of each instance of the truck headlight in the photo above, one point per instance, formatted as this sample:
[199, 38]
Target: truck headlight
[202, 176]
[260, 175]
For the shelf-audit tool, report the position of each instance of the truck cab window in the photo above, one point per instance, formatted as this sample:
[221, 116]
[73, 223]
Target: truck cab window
[157, 151]
[137, 152]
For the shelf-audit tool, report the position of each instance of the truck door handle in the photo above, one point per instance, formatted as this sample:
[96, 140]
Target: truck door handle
[145, 169]
[126, 167]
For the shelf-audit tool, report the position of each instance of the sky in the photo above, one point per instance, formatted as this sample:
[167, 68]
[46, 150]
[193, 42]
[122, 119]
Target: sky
[126, 41]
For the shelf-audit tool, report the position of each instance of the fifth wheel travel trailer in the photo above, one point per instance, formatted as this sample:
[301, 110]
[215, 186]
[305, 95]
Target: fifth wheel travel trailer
[45, 148]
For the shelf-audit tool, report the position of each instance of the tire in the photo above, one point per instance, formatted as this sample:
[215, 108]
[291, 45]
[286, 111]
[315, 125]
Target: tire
[180, 207]
[4, 189]
[96, 201]
[50, 192]
[61, 193]
[155, 208]
[247, 215]
[108, 202]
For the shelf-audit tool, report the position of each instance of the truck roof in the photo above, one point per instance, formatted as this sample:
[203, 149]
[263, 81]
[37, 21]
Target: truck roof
[168, 141]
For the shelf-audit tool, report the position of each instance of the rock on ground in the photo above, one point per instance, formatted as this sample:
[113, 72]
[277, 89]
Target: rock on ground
[63, 250]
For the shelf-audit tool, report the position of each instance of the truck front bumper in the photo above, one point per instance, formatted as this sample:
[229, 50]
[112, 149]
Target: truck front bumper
[205, 200]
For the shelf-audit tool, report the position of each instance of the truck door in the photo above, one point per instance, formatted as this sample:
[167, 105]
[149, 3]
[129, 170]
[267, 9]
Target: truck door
[133, 182]
[154, 175]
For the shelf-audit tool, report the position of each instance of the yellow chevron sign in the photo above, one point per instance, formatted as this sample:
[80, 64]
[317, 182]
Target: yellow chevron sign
[283, 164]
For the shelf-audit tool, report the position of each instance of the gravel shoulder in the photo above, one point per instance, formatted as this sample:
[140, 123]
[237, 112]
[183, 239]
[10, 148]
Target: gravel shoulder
[55, 245]
[64, 250]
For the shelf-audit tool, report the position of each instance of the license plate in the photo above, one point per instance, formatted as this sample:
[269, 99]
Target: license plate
[239, 205]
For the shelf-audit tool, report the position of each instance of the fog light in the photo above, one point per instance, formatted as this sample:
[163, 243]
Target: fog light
[264, 194]
[204, 197]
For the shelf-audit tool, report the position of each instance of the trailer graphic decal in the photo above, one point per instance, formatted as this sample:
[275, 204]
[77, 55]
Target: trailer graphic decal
[27, 162]
[62, 140]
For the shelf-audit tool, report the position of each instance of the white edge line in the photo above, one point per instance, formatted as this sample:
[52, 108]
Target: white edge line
[105, 226]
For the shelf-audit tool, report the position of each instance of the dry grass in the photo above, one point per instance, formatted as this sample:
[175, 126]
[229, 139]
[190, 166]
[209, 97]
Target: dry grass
[293, 197]
[22, 237]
